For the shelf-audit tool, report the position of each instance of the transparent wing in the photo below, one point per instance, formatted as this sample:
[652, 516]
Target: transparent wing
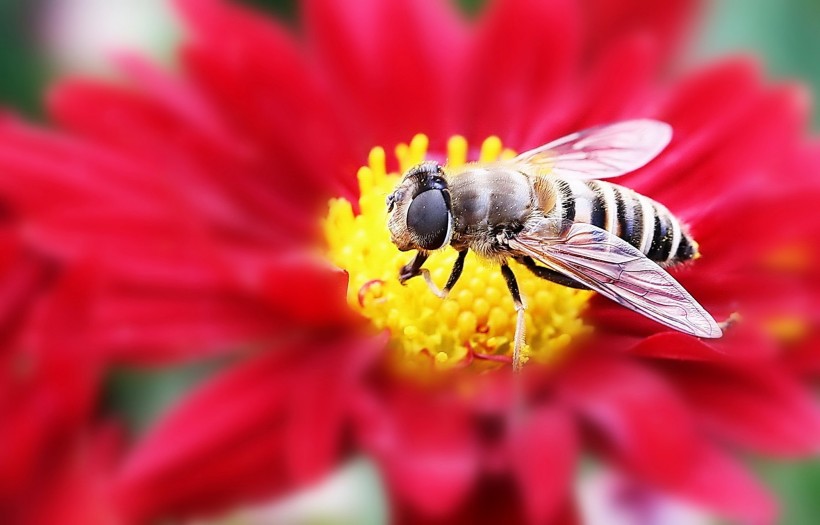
[617, 270]
[602, 152]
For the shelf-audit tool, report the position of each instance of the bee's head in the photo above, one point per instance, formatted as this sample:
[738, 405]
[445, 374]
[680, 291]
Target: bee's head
[420, 213]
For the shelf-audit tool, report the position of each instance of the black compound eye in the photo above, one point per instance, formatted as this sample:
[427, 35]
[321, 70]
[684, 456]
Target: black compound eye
[429, 218]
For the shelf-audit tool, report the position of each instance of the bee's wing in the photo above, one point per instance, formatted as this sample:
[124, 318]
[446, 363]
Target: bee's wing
[617, 270]
[602, 152]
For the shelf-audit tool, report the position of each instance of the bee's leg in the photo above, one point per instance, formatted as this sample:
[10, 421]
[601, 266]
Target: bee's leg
[550, 275]
[512, 284]
[458, 266]
[413, 268]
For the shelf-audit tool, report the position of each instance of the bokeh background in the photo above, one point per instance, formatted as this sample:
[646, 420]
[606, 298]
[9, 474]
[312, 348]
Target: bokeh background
[785, 33]
[42, 39]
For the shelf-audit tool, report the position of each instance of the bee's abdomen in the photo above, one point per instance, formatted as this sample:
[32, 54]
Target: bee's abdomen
[645, 224]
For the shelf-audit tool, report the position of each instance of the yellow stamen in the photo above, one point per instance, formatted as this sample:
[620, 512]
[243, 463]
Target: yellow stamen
[475, 325]
[490, 149]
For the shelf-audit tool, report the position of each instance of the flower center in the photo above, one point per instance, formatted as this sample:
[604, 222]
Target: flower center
[475, 325]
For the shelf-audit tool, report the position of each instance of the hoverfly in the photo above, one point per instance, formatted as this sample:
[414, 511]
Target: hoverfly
[549, 210]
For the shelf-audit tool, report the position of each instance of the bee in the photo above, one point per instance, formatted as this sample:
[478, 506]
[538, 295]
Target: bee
[550, 210]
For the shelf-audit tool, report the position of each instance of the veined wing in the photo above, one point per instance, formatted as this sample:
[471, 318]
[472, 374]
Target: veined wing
[617, 270]
[602, 152]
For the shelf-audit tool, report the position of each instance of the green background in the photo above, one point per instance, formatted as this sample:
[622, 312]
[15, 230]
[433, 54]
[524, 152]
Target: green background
[786, 34]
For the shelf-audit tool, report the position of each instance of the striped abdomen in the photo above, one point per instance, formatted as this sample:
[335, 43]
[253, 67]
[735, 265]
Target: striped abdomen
[645, 224]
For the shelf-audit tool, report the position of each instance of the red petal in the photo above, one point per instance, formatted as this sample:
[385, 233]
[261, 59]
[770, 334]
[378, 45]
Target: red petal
[229, 440]
[393, 65]
[674, 345]
[620, 82]
[425, 447]
[76, 490]
[521, 65]
[750, 156]
[22, 273]
[754, 209]
[59, 168]
[195, 165]
[722, 485]
[664, 22]
[638, 416]
[543, 451]
[239, 58]
[49, 380]
[162, 309]
[494, 501]
[703, 110]
[759, 407]
[320, 408]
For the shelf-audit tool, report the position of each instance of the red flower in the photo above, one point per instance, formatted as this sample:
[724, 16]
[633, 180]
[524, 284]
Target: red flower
[194, 198]
[48, 386]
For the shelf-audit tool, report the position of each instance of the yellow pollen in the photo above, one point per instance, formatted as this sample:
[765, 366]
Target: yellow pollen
[475, 325]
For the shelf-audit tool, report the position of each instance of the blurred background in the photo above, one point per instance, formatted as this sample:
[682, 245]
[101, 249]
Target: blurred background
[42, 39]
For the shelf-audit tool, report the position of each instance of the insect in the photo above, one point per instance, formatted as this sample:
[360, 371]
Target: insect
[549, 210]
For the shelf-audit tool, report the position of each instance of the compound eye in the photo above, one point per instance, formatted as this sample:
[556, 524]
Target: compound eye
[429, 219]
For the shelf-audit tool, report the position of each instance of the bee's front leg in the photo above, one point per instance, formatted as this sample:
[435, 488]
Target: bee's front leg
[413, 268]
[455, 273]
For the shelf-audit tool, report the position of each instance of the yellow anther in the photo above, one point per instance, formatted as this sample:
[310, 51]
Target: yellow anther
[418, 148]
[490, 149]
[365, 177]
[466, 324]
[456, 151]
[377, 162]
[478, 316]
[499, 319]
[465, 299]
[482, 309]
[507, 154]
[449, 311]
[403, 156]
